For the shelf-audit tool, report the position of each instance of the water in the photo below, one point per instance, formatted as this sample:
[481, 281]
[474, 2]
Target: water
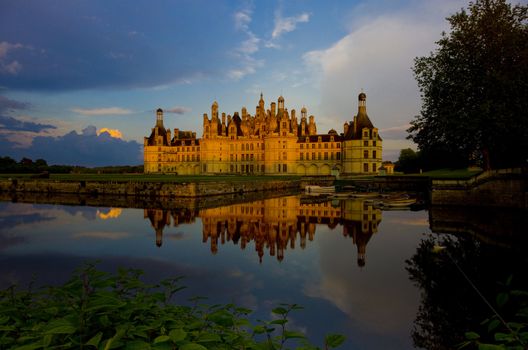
[357, 270]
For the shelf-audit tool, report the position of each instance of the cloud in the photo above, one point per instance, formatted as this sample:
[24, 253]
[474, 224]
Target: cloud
[287, 24]
[113, 213]
[85, 149]
[102, 111]
[178, 110]
[13, 124]
[14, 66]
[398, 132]
[112, 235]
[75, 46]
[244, 53]
[377, 55]
[8, 104]
[112, 132]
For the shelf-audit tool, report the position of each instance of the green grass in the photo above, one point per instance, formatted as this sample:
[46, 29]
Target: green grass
[152, 177]
[451, 173]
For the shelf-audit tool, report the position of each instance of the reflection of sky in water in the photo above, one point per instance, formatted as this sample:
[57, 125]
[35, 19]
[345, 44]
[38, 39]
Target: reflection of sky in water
[373, 305]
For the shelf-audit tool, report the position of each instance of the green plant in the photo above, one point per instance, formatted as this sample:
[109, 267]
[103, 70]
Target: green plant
[97, 310]
[507, 335]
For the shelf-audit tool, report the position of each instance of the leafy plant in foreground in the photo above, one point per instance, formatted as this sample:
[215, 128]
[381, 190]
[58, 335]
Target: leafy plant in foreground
[96, 310]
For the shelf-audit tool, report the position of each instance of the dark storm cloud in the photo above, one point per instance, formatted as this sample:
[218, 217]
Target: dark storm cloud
[85, 149]
[13, 124]
[8, 104]
[67, 45]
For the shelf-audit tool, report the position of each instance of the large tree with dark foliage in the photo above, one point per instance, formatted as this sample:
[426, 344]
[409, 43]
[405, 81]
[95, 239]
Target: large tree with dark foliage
[474, 88]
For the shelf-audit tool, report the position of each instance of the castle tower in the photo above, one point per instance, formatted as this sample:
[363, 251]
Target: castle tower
[159, 118]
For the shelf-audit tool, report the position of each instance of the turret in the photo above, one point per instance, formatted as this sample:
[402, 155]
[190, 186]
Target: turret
[159, 117]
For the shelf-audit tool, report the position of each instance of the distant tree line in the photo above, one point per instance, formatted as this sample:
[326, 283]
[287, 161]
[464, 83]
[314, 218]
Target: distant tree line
[9, 165]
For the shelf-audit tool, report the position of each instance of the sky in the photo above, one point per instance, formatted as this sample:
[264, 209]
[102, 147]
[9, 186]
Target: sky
[80, 80]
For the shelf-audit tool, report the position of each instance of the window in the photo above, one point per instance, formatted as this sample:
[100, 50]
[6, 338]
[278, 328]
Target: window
[284, 156]
[338, 145]
[365, 133]
[365, 154]
[319, 155]
[319, 145]
[374, 154]
[331, 139]
[326, 156]
[332, 156]
[284, 125]
[302, 156]
[302, 146]
[365, 168]
[365, 143]
[251, 157]
[231, 157]
[313, 155]
[284, 168]
[326, 145]
[338, 155]
[373, 143]
[231, 168]
[374, 168]
[313, 145]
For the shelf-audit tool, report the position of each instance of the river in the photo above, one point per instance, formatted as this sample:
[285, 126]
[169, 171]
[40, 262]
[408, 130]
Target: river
[357, 270]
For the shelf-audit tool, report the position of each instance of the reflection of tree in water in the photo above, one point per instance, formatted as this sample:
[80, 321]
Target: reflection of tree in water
[449, 305]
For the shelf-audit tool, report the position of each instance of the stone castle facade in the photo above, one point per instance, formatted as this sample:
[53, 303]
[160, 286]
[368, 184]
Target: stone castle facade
[271, 142]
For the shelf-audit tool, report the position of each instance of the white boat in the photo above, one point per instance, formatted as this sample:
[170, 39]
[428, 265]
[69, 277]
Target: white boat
[314, 189]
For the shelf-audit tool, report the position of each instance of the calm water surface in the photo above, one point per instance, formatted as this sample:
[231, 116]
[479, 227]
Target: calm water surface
[349, 264]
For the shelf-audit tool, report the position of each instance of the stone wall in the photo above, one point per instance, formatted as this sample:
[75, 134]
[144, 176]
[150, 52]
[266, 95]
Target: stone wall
[144, 189]
[494, 188]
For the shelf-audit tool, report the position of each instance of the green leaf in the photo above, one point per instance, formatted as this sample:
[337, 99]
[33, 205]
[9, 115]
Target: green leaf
[281, 322]
[61, 326]
[502, 299]
[502, 337]
[209, 337]
[279, 311]
[192, 346]
[4, 319]
[177, 334]
[490, 347]
[334, 340]
[137, 345]
[293, 335]
[94, 341]
[32, 346]
[493, 325]
[472, 336]
[161, 339]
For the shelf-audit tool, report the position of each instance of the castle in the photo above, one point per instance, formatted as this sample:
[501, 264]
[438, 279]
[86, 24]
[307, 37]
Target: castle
[270, 142]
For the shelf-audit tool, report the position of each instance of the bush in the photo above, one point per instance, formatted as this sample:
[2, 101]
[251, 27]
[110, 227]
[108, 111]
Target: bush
[96, 310]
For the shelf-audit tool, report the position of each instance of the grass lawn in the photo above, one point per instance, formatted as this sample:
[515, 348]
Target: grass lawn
[152, 177]
[449, 173]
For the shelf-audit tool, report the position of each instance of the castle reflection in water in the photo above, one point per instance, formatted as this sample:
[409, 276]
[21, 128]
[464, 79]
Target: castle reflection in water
[275, 224]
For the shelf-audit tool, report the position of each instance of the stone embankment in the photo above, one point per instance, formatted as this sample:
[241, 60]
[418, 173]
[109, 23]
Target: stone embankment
[144, 189]
[505, 188]
[144, 194]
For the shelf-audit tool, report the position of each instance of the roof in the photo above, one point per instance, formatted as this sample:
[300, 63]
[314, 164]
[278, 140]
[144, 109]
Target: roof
[315, 138]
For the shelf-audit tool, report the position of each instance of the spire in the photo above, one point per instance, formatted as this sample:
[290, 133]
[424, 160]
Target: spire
[159, 117]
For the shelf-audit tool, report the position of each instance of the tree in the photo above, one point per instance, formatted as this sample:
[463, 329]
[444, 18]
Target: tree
[408, 162]
[474, 87]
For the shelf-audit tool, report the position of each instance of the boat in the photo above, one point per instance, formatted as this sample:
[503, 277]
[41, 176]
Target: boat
[399, 202]
[314, 189]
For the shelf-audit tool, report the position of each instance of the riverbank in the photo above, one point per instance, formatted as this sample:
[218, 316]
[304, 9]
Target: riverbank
[149, 191]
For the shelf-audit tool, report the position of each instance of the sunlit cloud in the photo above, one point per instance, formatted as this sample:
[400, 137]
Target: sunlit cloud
[112, 132]
[111, 235]
[113, 213]
[102, 111]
